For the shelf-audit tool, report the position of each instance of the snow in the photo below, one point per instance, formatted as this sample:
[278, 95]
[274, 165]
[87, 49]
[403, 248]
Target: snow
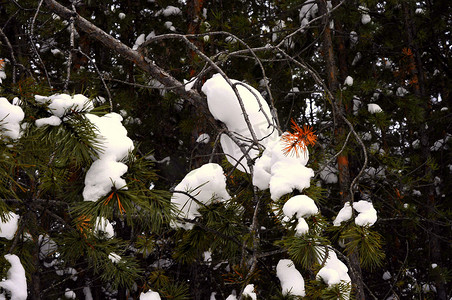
[302, 227]
[249, 291]
[69, 294]
[150, 295]
[140, 40]
[10, 118]
[170, 11]
[115, 258]
[353, 38]
[291, 280]
[190, 83]
[401, 91]
[301, 206]
[102, 176]
[107, 170]
[224, 106]
[56, 52]
[386, 275]
[16, 282]
[203, 138]
[122, 16]
[349, 81]
[103, 228]
[344, 214]
[367, 215]
[169, 25]
[281, 173]
[334, 271]
[365, 17]
[206, 184]
[60, 104]
[51, 121]
[87, 293]
[46, 246]
[328, 174]
[231, 297]
[374, 108]
[9, 227]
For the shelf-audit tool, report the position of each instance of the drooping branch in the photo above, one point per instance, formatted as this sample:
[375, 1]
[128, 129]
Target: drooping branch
[128, 53]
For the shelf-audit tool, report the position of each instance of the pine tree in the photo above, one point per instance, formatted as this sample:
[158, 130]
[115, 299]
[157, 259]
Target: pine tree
[360, 85]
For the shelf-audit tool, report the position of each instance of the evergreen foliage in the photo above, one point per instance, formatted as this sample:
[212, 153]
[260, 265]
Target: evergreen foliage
[399, 159]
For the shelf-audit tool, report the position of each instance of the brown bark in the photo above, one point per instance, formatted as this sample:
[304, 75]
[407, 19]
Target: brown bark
[418, 83]
[341, 129]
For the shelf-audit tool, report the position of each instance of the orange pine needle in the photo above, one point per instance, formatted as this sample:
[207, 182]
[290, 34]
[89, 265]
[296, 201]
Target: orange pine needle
[121, 208]
[298, 140]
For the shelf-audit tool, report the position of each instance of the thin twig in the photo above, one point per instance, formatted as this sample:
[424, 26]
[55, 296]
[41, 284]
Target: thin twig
[32, 27]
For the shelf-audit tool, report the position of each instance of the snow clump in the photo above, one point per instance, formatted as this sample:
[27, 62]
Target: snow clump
[344, 214]
[16, 284]
[107, 170]
[9, 227]
[374, 108]
[281, 173]
[103, 227]
[291, 280]
[224, 106]
[249, 291]
[367, 215]
[60, 104]
[300, 206]
[10, 118]
[150, 295]
[203, 138]
[334, 271]
[205, 184]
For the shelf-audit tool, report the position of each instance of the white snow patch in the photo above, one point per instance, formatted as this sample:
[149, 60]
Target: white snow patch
[281, 173]
[334, 271]
[224, 106]
[69, 294]
[249, 291]
[16, 282]
[106, 172]
[10, 118]
[367, 215]
[8, 228]
[301, 206]
[401, 91]
[190, 83]
[51, 121]
[150, 295]
[203, 138]
[344, 214]
[140, 40]
[349, 81]
[374, 108]
[291, 280]
[328, 174]
[60, 104]
[115, 258]
[102, 176]
[386, 275]
[206, 184]
[103, 227]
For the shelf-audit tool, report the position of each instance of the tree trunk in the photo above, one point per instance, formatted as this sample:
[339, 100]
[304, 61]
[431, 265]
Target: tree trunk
[340, 132]
[418, 83]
